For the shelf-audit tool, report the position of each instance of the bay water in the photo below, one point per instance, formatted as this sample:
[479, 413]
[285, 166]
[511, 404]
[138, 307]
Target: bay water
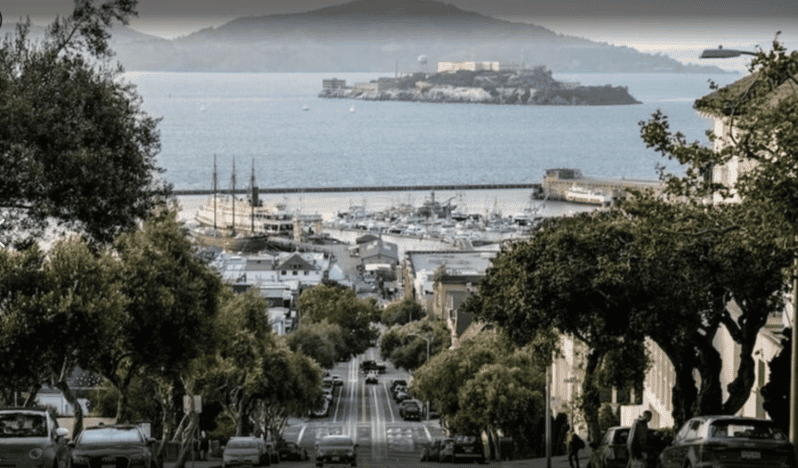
[275, 123]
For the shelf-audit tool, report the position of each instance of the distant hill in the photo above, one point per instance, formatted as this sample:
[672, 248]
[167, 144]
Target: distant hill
[380, 36]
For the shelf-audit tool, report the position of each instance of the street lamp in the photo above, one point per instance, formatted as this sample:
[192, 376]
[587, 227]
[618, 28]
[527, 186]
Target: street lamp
[428, 343]
[720, 52]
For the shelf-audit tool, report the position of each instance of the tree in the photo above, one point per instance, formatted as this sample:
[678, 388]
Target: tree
[406, 346]
[323, 341]
[68, 306]
[574, 275]
[758, 116]
[173, 300]
[342, 307]
[75, 146]
[402, 312]
[255, 377]
[485, 384]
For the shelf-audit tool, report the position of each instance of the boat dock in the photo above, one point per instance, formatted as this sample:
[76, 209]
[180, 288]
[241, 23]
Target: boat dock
[560, 184]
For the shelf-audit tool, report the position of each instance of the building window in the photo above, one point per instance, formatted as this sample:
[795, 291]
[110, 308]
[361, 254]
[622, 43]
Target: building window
[295, 273]
[284, 272]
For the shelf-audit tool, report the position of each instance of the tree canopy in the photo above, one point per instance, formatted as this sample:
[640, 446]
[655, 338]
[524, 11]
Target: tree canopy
[341, 306]
[76, 150]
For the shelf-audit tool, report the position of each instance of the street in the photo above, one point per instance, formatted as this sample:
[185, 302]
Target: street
[368, 414]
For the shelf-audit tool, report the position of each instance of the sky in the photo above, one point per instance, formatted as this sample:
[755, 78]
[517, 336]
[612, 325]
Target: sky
[677, 28]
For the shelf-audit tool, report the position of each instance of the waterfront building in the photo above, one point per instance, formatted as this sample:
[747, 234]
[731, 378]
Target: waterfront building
[333, 83]
[452, 67]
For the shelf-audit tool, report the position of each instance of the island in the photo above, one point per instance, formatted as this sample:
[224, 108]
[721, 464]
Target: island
[483, 83]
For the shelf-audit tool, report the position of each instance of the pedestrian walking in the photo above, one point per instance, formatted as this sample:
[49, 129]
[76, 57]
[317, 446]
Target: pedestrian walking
[575, 444]
[203, 446]
[636, 443]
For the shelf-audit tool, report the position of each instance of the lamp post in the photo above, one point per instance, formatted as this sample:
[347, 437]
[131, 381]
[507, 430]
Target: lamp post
[720, 52]
[426, 415]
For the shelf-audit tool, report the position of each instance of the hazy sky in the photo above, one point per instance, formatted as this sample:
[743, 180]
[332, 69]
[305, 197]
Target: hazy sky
[678, 28]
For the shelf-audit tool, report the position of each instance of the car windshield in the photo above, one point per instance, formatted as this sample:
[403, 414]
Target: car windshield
[737, 429]
[240, 444]
[22, 425]
[465, 439]
[109, 434]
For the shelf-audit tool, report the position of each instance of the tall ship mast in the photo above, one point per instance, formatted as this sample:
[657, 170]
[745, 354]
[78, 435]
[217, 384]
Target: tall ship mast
[233, 194]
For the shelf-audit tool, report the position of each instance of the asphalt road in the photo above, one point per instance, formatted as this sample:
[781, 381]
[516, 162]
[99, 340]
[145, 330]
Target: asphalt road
[368, 414]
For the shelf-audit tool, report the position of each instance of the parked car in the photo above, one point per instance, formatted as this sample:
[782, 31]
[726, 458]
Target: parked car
[726, 441]
[402, 396]
[611, 451]
[322, 408]
[245, 451]
[397, 382]
[337, 380]
[291, 451]
[468, 447]
[31, 437]
[336, 449]
[438, 450]
[117, 445]
[398, 389]
[371, 378]
[410, 409]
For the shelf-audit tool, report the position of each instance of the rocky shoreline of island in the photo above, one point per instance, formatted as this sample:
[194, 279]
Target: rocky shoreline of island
[534, 86]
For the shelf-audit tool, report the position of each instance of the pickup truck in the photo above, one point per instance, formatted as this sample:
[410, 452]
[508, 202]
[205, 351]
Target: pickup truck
[371, 366]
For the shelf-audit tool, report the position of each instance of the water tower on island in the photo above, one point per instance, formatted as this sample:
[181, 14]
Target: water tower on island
[422, 61]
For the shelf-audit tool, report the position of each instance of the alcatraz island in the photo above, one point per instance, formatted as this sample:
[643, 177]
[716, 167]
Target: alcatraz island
[483, 83]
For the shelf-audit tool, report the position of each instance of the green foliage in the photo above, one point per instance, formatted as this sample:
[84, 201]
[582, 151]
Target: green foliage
[342, 307]
[405, 347]
[485, 383]
[75, 146]
[400, 313]
[322, 341]
[608, 417]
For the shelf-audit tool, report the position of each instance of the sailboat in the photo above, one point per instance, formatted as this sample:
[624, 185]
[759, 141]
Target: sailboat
[352, 109]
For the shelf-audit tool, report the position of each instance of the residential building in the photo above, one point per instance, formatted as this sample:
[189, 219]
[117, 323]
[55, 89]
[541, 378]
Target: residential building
[279, 277]
[442, 280]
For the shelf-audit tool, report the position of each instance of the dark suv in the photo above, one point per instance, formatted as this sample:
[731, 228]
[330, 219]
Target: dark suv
[31, 438]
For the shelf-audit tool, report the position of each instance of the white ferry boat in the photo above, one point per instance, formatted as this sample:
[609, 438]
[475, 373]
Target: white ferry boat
[579, 194]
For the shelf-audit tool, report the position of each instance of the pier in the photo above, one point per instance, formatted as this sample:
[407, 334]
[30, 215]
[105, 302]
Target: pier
[379, 188]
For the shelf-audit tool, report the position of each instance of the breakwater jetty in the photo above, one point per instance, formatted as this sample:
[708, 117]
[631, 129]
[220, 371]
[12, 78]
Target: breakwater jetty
[379, 188]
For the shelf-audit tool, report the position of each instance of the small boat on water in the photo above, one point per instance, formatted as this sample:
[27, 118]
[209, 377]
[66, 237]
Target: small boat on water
[352, 109]
[305, 108]
[579, 194]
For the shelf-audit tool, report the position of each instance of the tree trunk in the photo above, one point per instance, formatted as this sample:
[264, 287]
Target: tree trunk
[591, 398]
[187, 442]
[684, 393]
[77, 410]
[710, 395]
